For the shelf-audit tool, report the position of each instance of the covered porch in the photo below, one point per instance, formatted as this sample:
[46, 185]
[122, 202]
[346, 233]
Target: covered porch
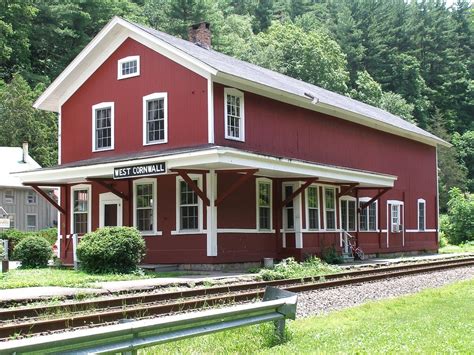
[208, 205]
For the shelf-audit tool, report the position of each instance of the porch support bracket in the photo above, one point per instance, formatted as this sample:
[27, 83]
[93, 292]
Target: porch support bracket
[376, 197]
[298, 191]
[191, 184]
[242, 180]
[49, 199]
[109, 187]
[346, 190]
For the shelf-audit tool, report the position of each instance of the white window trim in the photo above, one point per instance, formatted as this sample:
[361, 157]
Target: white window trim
[399, 217]
[155, 96]
[26, 222]
[335, 209]
[376, 202]
[307, 209]
[418, 202]
[155, 203]
[89, 205]
[34, 194]
[258, 182]
[178, 230]
[348, 198]
[121, 76]
[8, 200]
[284, 219]
[240, 94]
[99, 106]
[10, 215]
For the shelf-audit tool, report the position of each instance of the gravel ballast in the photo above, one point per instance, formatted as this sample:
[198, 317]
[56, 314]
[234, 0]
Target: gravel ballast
[324, 301]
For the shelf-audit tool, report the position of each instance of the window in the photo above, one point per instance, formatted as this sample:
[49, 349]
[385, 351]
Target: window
[145, 205]
[421, 214]
[80, 209]
[348, 214]
[312, 203]
[289, 210]
[330, 207]
[395, 218]
[31, 198]
[368, 216]
[128, 67]
[155, 118]
[11, 216]
[31, 222]
[9, 196]
[234, 114]
[264, 204]
[189, 208]
[103, 126]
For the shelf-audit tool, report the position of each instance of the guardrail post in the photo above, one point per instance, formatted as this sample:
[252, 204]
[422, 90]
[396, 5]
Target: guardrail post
[280, 329]
[74, 250]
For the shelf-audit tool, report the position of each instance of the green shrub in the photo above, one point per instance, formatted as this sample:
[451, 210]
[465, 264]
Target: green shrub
[2, 251]
[33, 252]
[330, 256]
[50, 234]
[458, 227]
[13, 236]
[111, 250]
[289, 268]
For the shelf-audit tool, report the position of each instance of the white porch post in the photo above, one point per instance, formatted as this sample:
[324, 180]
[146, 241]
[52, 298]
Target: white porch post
[211, 186]
[298, 220]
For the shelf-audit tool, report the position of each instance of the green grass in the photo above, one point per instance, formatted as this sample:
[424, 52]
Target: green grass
[462, 248]
[67, 278]
[433, 321]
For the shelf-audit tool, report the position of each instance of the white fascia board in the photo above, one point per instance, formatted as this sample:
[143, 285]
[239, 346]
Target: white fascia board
[99, 49]
[217, 155]
[301, 101]
[305, 169]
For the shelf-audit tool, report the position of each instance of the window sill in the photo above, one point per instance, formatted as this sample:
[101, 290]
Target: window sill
[128, 76]
[151, 234]
[235, 139]
[102, 150]
[189, 232]
[154, 143]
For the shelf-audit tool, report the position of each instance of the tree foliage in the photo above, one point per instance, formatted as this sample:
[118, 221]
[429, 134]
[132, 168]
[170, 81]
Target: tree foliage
[459, 226]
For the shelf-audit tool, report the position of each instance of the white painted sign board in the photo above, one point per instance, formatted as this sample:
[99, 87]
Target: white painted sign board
[4, 222]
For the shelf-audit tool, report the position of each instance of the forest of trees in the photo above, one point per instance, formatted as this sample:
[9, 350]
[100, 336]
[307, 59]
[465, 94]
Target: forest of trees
[412, 58]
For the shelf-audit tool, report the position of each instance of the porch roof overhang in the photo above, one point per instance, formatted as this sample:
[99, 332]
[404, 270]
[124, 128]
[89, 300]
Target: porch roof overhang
[206, 158]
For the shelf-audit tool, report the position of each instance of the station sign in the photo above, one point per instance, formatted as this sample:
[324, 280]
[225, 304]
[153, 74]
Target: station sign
[140, 170]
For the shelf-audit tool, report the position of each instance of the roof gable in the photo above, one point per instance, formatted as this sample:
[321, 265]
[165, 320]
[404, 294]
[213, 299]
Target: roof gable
[225, 69]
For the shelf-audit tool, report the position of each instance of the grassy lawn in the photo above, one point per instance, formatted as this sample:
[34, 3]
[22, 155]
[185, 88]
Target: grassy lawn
[433, 321]
[463, 248]
[67, 278]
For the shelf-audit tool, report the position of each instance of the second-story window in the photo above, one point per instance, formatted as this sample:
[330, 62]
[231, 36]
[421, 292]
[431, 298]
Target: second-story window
[128, 67]
[155, 118]
[234, 114]
[31, 198]
[9, 196]
[103, 126]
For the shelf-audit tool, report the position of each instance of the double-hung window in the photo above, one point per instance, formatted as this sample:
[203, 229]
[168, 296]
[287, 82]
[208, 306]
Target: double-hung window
[103, 126]
[368, 216]
[9, 196]
[11, 216]
[31, 222]
[395, 218]
[421, 214]
[264, 204]
[144, 198]
[155, 118]
[189, 206]
[289, 209]
[348, 214]
[234, 114]
[312, 203]
[330, 207]
[81, 209]
[128, 67]
[31, 198]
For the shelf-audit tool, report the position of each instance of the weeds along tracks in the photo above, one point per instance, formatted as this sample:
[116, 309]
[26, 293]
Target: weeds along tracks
[32, 320]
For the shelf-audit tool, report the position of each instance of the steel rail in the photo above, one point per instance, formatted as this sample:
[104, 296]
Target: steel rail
[121, 301]
[147, 310]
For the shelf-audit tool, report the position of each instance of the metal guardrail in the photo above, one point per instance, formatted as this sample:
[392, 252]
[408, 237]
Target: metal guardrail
[277, 306]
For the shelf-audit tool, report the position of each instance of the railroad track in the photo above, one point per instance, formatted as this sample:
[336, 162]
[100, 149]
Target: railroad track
[33, 320]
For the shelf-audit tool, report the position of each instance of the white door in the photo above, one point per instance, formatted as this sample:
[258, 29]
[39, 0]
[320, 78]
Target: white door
[110, 210]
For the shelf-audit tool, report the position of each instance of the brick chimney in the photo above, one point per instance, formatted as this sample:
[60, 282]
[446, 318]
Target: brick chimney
[200, 34]
[25, 151]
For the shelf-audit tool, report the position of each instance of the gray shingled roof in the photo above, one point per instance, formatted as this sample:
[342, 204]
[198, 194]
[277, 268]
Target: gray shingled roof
[232, 66]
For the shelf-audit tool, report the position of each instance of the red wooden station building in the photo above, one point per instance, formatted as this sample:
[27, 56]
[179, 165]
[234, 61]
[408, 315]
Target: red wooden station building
[217, 161]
